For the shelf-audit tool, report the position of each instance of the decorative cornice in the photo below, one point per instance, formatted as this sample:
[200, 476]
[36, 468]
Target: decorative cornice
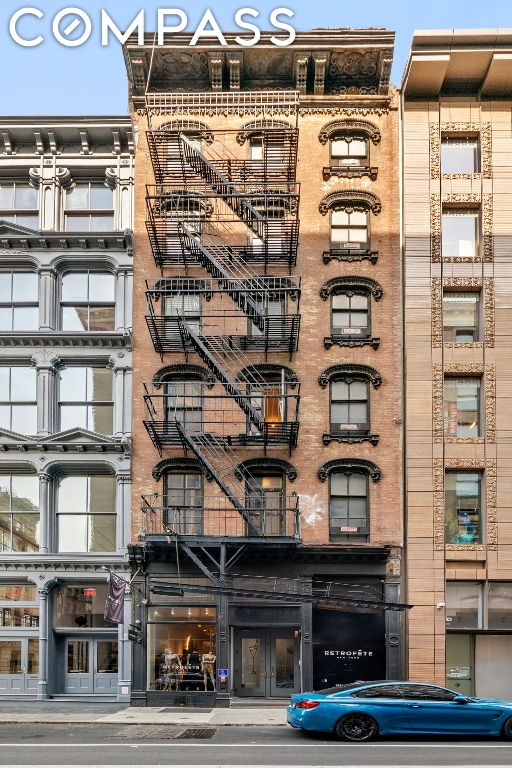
[349, 127]
[183, 371]
[435, 149]
[490, 403]
[349, 284]
[462, 198]
[349, 256]
[349, 465]
[379, 110]
[439, 468]
[245, 468]
[435, 227]
[347, 341]
[350, 199]
[178, 464]
[350, 371]
[489, 311]
[487, 227]
[349, 172]
[328, 438]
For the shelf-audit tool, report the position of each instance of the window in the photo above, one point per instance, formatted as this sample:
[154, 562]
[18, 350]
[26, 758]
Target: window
[183, 502]
[500, 605]
[270, 403]
[182, 653]
[18, 399]
[350, 315]
[184, 404]
[463, 513]
[274, 309]
[89, 207]
[88, 301]
[349, 229]
[80, 606]
[425, 692]
[461, 313]
[464, 605]
[19, 301]
[377, 692]
[462, 407]
[256, 147]
[86, 517]
[349, 407]
[348, 506]
[184, 305]
[460, 154]
[19, 513]
[86, 399]
[265, 501]
[348, 150]
[19, 204]
[460, 233]
[19, 606]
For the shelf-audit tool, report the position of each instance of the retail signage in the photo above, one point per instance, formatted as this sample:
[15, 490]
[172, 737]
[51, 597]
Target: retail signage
[222, 672]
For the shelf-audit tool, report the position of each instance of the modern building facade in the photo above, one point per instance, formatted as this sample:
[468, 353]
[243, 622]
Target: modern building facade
[66, 257]
[267, 408]
[457, 207]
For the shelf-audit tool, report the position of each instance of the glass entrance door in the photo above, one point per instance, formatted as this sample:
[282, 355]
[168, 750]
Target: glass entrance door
[91, 666]
[266, 663]
[19, 666]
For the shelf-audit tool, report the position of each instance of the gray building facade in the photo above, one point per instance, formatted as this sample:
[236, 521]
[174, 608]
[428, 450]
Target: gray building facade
[66, 192]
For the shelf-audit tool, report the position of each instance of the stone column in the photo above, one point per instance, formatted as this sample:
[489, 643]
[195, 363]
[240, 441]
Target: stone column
[121, 300]
[52, 181]
[48, 312]
[122, 397]
[46, 396]
[44, 511]
[42, 685]
[123, 507]
[125, 654]
[395, 662]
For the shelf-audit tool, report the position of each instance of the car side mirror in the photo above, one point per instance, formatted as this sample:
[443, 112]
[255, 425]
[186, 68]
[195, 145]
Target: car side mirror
[460, 700]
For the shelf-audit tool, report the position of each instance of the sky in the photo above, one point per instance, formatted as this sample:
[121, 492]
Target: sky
[51, 79]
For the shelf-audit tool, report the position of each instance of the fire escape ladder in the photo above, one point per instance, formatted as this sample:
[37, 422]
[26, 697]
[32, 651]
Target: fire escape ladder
[195, 159]
[218, 469]
[203, 347]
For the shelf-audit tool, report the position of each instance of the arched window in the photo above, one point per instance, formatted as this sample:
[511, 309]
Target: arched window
[349, 494]
[349, 217]
[351, 299]
[349, 402]
[86, 513]
[349, 229]
[19, 301]
[88, 301]
[349, 148]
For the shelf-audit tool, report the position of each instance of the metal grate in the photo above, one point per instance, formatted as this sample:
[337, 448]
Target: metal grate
[197, 733]
[154, 732]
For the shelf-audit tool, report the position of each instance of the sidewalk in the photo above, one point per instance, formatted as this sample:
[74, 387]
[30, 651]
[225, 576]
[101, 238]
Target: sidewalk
[80, 712]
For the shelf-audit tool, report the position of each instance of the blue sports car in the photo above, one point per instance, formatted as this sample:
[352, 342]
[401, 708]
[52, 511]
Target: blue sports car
[360, 711]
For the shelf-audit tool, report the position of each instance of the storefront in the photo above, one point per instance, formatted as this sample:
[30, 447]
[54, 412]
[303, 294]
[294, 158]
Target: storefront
[205, 648]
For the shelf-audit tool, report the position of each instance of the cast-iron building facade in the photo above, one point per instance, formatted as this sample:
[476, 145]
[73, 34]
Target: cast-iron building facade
[66, 188]
[267, 409]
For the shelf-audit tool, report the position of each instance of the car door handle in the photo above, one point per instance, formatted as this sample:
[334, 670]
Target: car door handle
[415, 706]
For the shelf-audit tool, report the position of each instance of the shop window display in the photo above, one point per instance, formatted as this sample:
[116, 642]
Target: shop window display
[182, 655]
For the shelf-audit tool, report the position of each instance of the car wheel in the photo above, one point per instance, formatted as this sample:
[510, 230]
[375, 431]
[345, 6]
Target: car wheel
[356, 727]
[507, 730]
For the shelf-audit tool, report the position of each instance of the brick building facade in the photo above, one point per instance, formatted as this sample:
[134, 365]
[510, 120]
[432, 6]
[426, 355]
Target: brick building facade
[267, 410]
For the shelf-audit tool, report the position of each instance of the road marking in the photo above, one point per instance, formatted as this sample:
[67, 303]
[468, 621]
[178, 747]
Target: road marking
[276, 745]
[246, 765]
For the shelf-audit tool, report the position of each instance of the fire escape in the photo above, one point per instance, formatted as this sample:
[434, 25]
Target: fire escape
[224, 233]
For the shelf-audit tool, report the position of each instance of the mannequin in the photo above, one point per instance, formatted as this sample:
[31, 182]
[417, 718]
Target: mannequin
[173, 669]
[208, 668]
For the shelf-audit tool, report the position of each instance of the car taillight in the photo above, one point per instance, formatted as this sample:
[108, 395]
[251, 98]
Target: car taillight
[306, 704]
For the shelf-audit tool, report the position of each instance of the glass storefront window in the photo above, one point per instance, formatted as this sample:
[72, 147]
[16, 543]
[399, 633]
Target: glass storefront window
[33, 657]
[80, 606]
[464, 605]
[10, 657]
[181, 613]
[19, 617]
[182, 656]
[500, 605]
[17, 593]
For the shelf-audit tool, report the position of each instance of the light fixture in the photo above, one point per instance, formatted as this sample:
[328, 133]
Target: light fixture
[189, 612]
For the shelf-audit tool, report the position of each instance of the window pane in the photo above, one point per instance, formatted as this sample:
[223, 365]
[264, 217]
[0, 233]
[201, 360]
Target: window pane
[101, 223]
[18, 592]
[175, 654]
[460, 317]
[339, 390]
[358, 485]
[75, 319]
[25, 319]
[6, 196]
[340, 301]
[25, 197]
[460, 234]
[5, 532]
[500, 605]
[462, 407]
[10, 657]
[102, 533]
[24, 419]
[339, 218]
[358, 390]
[73, 384]
[25, 532]
[99, 384]
[24, 286]
[462, 508]
[77, 223]
[459, 155]
[339, 148]
[357, 148]
[101, 197]
[72, 533]
[101, 419]
[78, 197]
[102, 493]
[358, 413]
[101, 319]
[339, 484]
[102, 287]
[5, 319]
[25, 493]
[72, 416]
[23, 383]
[19, 617]
[33, 655]
[339, 415]
[74, 287]
[73, 494]
[463, 605]
[80, 606]
[358, 219]
[27, 220]
[5, 380]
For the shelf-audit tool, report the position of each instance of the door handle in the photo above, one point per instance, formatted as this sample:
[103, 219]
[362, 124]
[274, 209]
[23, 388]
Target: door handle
[415, 706]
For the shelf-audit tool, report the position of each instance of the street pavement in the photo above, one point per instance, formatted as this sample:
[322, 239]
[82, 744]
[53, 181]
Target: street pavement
[109, 745]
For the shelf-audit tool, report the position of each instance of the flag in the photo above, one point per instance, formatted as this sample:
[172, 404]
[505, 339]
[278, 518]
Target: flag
[114, 605]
